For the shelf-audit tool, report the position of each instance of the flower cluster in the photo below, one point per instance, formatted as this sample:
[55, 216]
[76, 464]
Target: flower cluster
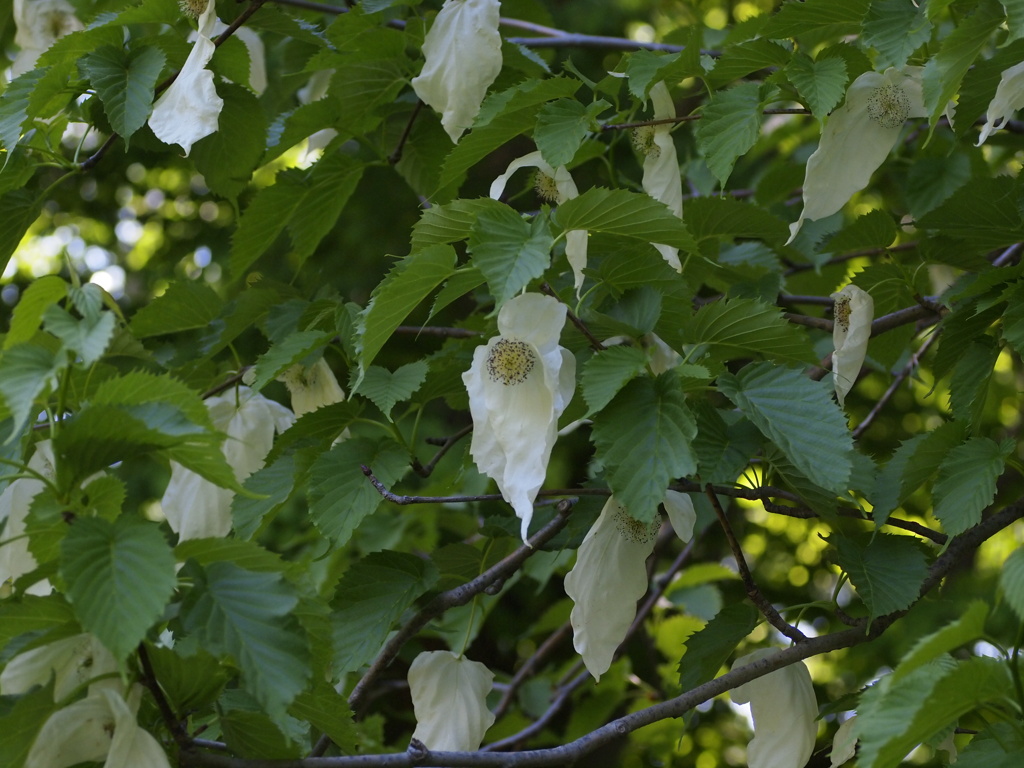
[39, 24]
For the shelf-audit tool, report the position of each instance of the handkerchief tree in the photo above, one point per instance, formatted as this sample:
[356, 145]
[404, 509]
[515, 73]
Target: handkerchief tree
[479, 383]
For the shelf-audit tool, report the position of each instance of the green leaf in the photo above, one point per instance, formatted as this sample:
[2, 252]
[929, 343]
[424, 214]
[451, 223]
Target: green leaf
[140, 387]
[709, 217]
[229, 155]
[997, 746]
[799, 416]
[22, 723]
[707, 650]
[509, 250]
[744, 327]
[797, 17]
[644, 437]
[887, 571]
[307, 203]
[450, 223]
[120, 576]
[21, 208]
[371, 597]
[271, 487]
[895, 29]
[385, 388]
[875, 229]
[1014, 19]
[730, 126]
[124, 81]
[246, 615]
[189, 683]
[896, 717]
[620, 212]
[969, 627]
[88, 338]
[967, 482]
[607, 372]
[14, 104]
[968, 386]
[741, 59]
[562, 125]
[26, 370]
[945, 70]
[340, 495]
[1011, 581]
[28, 312]
[281, 356]
[822, 84]
[31, 614]
[327, 710]
[398, 294]
[931, 180]
[984, 214]
[184, 306]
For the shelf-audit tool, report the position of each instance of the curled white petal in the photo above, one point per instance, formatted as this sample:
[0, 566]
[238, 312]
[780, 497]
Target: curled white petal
[1008, 99]
[72, 662]
[312, 387]
[15, 558]
[610, 575]
[254, 46]
[519, 384]
[661, 356]
[681, 514]
[661, 179]
[565, 189]
[857, 139]
[463, 57]
[851, 330]
[784, 709]
[189, 109]
[844, 743]
[195, 507]
[38, 25]
[449, 696]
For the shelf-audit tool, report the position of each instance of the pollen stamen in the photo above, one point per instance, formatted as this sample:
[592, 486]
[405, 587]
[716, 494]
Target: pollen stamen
[510, 362]
[889, 106]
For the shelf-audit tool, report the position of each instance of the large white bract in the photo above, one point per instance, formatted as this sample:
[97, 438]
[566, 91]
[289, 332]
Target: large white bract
[662, 179]
[610, 575]
[312, 387]
[15, 558]
[449, 697]
[519, 384]
[463, 56]
[72, 662]
[854, 309]
[189, 109]
[39, 24]
[785, 713]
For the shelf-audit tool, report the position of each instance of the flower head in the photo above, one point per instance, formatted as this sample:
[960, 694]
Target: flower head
[312, 387]
[72, 662]
[189, 109]
[662, 179]
[785, 714]
[854, 310]
[857, 138]
[1008, 99]
[195, 507]
[449, 698]
[463, 56]
[39, 24]
[518, 385]
[610, 576]
[557, 186]
[15, 501]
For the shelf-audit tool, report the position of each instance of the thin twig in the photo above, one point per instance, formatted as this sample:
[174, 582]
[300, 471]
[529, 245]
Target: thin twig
[897, 382]
[530, 666]
[762, 603]
[425, 470]
[178, 732]
[595, 343]
[395, 156]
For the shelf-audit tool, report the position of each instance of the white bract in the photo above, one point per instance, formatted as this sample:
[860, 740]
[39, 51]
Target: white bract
[844, 743]
[189, 109]
[257, 53]
[100, 728]
[662, 179]
[610, 575]
[312, 387]
[449, 698]
[853, 312]
[15, 558]
[1008, 99]
[557, 186]
[857, 138]
[518, 385]
[39, 24]
[784, 709]
[197, 508]
[72, 662]
[463, 56]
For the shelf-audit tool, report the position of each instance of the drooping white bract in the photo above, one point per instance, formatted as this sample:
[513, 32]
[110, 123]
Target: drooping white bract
[857, 138]
[610, 575]
[463, 56]
[100, 728]
[564, 188]
[254, 46]
[15, 558]
[312, 387]
[844, 743]
[189, 109]
[662, 179]
[449, 698]
[39, 24]
[784, 709]
[1008, 99]
[854, 310]
[519, 384]
[196, 508]
[72, 662]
